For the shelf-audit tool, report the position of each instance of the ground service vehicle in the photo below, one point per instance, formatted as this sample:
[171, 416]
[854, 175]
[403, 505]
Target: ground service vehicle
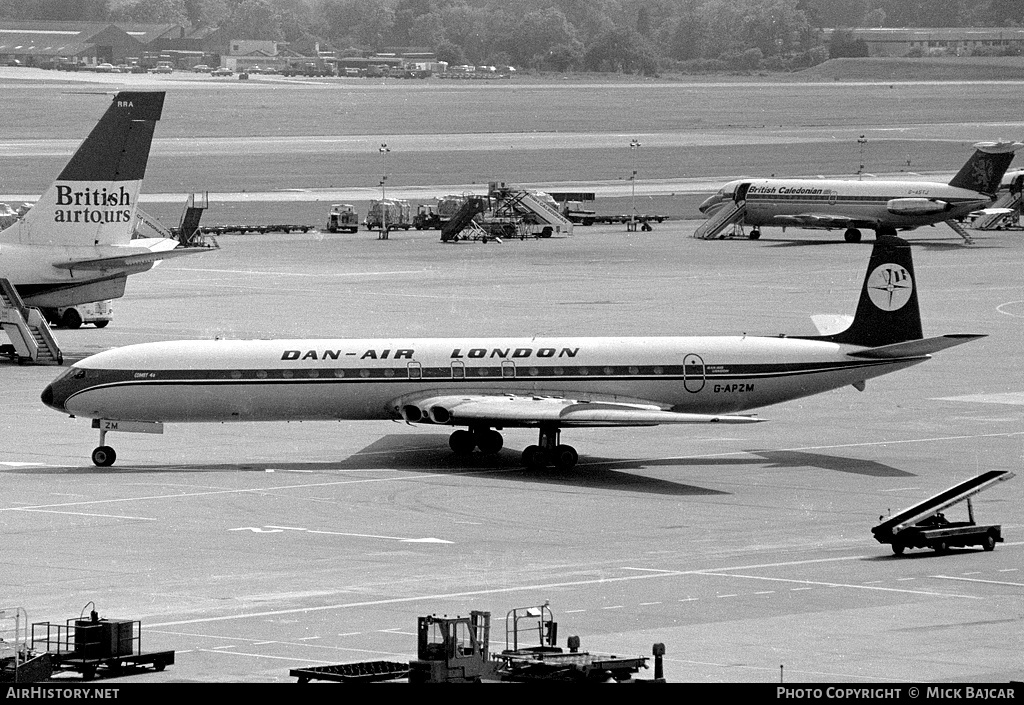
[426, 218]
[98, 313]
[389, 214]
[343, 217]
[925, 526]
[457, 650]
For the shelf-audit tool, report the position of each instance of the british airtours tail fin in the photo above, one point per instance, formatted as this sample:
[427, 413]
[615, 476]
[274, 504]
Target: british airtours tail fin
[94, 199]
[985, 169]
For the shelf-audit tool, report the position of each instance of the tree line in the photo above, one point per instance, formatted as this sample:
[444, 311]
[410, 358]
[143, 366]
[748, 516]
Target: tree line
[628, 36]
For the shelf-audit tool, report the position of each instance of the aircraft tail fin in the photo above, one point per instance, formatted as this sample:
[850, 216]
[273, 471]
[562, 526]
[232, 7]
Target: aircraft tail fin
[888, 312]
[986, 167]
[95, 197]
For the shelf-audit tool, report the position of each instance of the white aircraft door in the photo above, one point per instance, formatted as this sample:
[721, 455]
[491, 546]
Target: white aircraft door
[415, 370]
[693, 373]
[508, 369]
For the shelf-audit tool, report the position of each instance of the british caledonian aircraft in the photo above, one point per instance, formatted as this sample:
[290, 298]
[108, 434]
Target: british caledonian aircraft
[487, 384]
[882, 206]
[75, 245]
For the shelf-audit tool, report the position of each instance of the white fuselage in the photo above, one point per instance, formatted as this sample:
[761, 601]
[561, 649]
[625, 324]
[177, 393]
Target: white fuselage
[867, 203]
[272, 380]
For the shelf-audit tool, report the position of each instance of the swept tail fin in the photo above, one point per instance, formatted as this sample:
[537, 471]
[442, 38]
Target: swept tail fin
[888, 312]
[985, 169]
[94, 199]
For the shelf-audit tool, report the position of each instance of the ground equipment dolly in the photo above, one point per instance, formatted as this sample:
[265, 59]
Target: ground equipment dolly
[92, 645]
[925, 526]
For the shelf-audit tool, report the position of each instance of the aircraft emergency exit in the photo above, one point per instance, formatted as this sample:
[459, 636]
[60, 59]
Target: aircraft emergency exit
[75, 245]
[486, 384]
[884, 206]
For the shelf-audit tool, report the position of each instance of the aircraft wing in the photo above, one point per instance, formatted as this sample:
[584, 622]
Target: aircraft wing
[818, 220]
[142, 256]
[522, 410]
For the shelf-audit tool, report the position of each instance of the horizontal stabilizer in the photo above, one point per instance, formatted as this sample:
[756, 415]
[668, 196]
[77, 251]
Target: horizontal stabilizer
[916, 348]
[138, 259]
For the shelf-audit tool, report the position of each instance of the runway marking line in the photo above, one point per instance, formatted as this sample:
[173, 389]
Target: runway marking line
[976, 580]
[84, 514]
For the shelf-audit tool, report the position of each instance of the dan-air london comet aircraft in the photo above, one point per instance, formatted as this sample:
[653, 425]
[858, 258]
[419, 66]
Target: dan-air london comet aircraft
[882, 206]
[75, 245]
[487, 384]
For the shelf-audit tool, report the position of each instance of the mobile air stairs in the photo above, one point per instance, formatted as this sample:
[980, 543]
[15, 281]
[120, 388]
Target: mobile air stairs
[27, 328]
[462, 219]
[924, 526]
[1005, 213]
[730, 213]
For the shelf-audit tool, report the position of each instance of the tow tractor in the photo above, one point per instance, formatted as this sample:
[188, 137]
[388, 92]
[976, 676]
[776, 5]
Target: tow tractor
[456, 650]
[925, 526]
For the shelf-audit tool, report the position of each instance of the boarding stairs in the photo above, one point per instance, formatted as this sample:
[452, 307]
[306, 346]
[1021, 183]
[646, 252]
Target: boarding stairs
[518, 201]
[27, 329]
[731, 213]
[189, 234]
[463, 218]
[959, 230]
[998, 221]
[910, 516]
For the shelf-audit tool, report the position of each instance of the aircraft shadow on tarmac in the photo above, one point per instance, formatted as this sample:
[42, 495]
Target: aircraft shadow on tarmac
[956, 245]
[429, 453]
[835, 463]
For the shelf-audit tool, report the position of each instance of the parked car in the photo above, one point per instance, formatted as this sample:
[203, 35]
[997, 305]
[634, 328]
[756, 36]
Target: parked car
[201, 68]
[222, 71]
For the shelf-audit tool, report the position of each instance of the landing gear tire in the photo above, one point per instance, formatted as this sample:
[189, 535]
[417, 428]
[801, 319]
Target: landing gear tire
[755, 234]
[462, 442]
[898, 549]
[71, 319]
[489, 441]
[566, 457]
[534, 457]
[941, 547]
[104, 456]
[852, 235]
[989, 544]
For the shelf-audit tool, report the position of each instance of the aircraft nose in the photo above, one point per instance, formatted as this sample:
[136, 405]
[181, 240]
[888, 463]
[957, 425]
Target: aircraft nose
[709, 203]
[47, 397]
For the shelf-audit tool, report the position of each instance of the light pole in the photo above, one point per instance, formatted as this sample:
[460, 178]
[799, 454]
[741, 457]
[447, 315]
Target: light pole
[383, 184]
[862, 140]
[634, 148]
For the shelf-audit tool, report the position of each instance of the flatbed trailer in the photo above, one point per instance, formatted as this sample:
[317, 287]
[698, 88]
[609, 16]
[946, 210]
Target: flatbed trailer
[262, 229]
[363, 672]
[923, 525]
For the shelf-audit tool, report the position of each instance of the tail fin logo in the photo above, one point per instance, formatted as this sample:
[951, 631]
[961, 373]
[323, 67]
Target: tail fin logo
[889, 287]
[983, 172]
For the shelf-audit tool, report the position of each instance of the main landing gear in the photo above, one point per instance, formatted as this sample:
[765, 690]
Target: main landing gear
[547, 452]
[852, 235]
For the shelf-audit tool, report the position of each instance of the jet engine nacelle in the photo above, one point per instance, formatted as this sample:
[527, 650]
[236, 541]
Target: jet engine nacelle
[434, 414]
[916, 206]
